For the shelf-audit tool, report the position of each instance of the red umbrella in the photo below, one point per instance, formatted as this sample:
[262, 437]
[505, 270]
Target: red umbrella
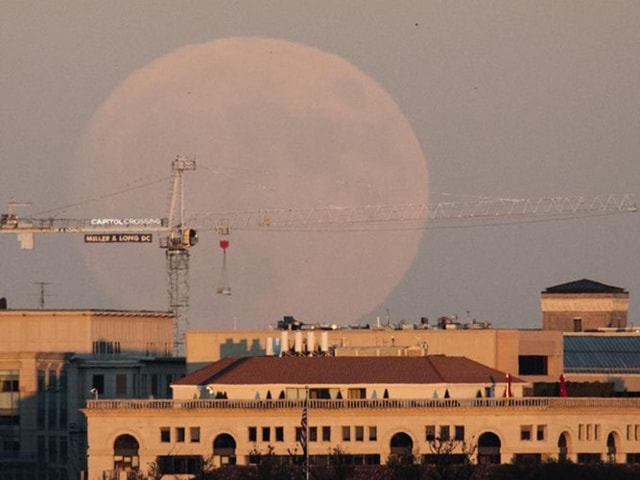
[563, 387]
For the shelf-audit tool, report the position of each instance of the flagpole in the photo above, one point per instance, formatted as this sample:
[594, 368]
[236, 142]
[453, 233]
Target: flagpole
[306, 454]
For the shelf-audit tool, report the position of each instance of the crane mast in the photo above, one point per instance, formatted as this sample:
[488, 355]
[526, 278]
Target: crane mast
[179, 239]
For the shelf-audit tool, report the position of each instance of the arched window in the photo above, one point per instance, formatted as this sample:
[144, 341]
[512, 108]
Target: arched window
[563, 447]
[224, 449]
[125, 453]
[611, 447]
[401, 446]
[489, 448]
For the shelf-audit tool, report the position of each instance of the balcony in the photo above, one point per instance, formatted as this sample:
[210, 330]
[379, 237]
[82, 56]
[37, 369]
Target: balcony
[537, 403]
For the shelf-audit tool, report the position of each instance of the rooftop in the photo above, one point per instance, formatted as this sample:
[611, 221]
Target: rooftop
[584, 286]
[344, 370]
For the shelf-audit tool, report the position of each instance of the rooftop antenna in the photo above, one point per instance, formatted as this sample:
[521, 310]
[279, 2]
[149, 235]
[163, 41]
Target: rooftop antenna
[42, 294]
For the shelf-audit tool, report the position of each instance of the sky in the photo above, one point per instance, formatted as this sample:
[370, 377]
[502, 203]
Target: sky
[505, 99]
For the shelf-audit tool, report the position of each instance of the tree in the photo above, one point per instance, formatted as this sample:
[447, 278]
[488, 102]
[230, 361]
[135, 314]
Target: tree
[452, 459]
[338, 467]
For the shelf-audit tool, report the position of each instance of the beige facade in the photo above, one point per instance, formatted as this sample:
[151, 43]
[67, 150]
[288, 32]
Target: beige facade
[504, 350]
[223, 431]
[584, 305]
[87, 331]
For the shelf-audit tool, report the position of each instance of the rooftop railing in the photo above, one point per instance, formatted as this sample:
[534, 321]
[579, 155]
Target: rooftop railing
[525, 402]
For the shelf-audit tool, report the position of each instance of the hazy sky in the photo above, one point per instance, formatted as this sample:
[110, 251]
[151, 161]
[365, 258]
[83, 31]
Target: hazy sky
[506, 99]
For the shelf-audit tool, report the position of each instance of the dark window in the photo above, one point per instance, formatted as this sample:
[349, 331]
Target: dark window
[589, 458]
[98, 383]
[444, 432]
[359, 433]
[527, 458]
[346, 433]
[154, 385]
[253, 434]
[194, 432]
[430, 432]
[373, 434]
[532, 365]
[121, 384]
[266, 434]
[313, 434]
[165, 434]
[180, 434]
[180, 464]
[540, 432]
[326, 433]
[577, 324]
[279, 434]
[459, 432]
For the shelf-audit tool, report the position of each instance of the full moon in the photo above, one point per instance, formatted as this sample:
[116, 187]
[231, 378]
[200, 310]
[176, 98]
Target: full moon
[272, 125]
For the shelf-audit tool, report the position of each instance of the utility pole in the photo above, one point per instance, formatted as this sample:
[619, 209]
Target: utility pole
[42, 286]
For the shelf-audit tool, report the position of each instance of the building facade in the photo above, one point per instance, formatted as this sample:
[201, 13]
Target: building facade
[51, 361]
[584, 305]
[370, 408]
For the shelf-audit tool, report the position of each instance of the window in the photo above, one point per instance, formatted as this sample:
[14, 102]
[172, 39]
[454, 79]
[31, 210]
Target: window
[459, 433]
[525, 432]
[313, 434]
[430, 432]
[444, 432]
[98, 383]
[359, 433]
[53, 449]
[346, 433]
[167, 389]
[279, 434]
[373, 434]
[357, 393]
[266, 434]
[165, 434]
[144, 385]
[577, 324]
[154, 385]
[532, 365]
[253, 434]
[180, 434]
[326, 433]
[589, 458]
[194, 434]
[319, 393]
[541, 432]
[121, 384]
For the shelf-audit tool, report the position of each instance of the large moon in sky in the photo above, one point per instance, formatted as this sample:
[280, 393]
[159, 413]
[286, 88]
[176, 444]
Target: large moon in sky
[272, 125]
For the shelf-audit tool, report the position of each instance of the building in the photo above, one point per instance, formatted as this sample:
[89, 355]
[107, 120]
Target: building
[371, 408]
[584, 305]
[51, 361]
[534, 355]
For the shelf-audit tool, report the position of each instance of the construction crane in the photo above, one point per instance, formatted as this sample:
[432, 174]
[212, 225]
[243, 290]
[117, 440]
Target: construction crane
[179, 235]
[176, 239]
[435, 215]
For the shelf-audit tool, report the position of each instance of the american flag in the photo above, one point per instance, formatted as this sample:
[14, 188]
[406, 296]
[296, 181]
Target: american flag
[303, 428]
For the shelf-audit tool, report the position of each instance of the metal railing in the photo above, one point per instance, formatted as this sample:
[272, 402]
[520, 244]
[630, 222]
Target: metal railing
[525, 402]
